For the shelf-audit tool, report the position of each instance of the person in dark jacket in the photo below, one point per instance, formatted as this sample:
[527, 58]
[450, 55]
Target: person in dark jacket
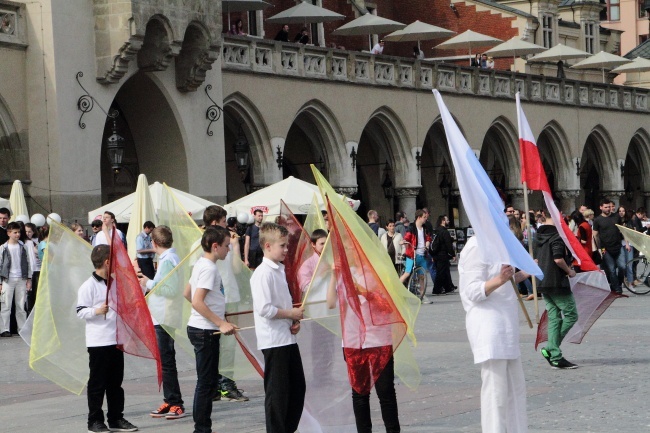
[283, 34]
[442, 257]
[560, 304]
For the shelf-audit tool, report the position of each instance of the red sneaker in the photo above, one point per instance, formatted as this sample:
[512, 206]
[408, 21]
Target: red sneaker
[176, 412]
[161, 411]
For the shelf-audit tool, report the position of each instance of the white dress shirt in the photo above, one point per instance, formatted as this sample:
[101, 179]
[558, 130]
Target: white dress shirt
[205, 275]
[100, 331]
[271, 293]
[492, 322]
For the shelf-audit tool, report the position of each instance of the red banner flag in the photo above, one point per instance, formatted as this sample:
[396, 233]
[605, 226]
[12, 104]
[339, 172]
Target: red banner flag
[135, 332]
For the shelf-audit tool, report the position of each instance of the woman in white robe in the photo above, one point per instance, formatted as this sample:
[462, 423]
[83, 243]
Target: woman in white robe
[492, 323]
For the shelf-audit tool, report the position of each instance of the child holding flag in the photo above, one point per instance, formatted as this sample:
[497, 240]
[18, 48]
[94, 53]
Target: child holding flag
[105, 359]
[276, 323]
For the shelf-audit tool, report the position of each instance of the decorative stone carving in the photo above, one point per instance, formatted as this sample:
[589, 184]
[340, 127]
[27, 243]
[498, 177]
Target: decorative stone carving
[569, 193]
[502, 86]
[236, 54]
[446, 79]
[613, 98]
[347, 191]
[484, 84]
[289, 61]
[611, 194]
[407, 192]
[641, 102]
[520, 86]
[362, 69]
[569, 94]
[536, 90]
[314, 64]
[552, 91]
[120, 66]
[465, 82]
[405, 74]
[384, 73]
[627, 100]
[196, 57]
[584, 95]
[339, 67]
[263, 59]
[426, 77]
[157, 51]
[598, 96]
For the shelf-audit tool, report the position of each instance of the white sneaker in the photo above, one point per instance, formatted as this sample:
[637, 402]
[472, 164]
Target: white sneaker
[426, 300]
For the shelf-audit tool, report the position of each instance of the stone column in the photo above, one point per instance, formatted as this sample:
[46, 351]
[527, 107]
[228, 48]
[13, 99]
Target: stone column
[568, 200]
[516, 197]
[614, 196]
[406, 197]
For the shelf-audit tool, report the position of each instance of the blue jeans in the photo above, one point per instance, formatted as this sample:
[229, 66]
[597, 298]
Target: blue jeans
[431, 266]
[612, 266]
[627, 256]
[171, 388]
[206, 351]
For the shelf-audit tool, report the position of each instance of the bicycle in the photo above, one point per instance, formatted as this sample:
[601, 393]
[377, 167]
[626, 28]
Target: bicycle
[641, 269]
[419, 274]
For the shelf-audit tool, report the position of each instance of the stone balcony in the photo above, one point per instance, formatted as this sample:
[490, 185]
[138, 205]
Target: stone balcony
[266, 56]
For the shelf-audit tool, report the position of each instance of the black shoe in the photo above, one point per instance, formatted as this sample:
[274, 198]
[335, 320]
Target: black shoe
[233, 395]
[563, 364]
[97, 426]
[547, 356]
[5, 334]
[121, 425]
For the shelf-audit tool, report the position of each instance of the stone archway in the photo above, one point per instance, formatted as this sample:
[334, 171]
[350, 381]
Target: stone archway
[559, 167]
[600, 174]
[242, 117]
[154, 140]
[499, 157]
[315, 137]
[383, 155]
[636, 176]
[437, 173]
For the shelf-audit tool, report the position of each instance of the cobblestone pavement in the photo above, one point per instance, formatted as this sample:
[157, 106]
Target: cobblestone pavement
[603, 395]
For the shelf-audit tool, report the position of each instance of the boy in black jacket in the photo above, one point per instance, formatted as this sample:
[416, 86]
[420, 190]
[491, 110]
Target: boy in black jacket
[560, 304]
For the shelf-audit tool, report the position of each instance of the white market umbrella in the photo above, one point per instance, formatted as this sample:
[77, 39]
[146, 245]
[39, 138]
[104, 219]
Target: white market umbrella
[305, 13]
[296, 193]
[243, 6]
[141, 212]
[418, 31]
[17, 200]
[559, 52]
[639, 65]
[514, 47]
[5, 203]
[123, 207]
[468, 40]
[602, 61]
[368, 24]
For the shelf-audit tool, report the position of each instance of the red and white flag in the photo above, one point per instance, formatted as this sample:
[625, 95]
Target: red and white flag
[532, 172]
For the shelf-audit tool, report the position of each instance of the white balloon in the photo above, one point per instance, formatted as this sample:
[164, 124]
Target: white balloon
[23, 219]
[38, 220]
[251, 218]
[54, 217]
[242, 217]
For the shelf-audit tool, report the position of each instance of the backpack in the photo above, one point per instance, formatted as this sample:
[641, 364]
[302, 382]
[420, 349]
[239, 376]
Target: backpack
[436, 244]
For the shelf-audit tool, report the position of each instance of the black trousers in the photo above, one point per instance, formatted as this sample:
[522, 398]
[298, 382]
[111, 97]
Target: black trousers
[106, 375]
[284, 385]
[146, 266]
[443, 274]
[31, 295]
[385, 387]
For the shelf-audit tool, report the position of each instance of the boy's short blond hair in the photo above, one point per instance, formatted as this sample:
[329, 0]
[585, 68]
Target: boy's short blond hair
[272, 232]
[588, 213]
[162, 236]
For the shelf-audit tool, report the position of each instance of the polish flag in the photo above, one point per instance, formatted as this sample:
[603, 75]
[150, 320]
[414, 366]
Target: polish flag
[532, 172]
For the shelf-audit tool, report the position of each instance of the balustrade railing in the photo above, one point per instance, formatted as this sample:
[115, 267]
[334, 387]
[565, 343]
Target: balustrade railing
[262, 55]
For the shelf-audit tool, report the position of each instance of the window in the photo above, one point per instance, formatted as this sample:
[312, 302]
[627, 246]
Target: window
[547, 30]
[589, 37]
[613, 10]
[642, 12]
[252, 23]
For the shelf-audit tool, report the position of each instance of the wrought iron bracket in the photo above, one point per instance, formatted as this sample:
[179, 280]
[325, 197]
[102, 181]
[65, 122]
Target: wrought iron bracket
[213, 113]
[86, 103]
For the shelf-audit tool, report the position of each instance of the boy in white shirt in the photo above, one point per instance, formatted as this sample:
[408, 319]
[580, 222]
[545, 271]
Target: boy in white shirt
[15, 278]
[108, 225]
[105, 359]
[205, 292]
[276, 323]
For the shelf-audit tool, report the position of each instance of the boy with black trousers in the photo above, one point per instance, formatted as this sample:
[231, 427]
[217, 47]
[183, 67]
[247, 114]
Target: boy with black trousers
[105, 359]
[276, 324]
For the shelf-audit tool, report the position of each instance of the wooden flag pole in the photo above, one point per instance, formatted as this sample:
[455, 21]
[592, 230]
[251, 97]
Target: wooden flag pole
[530, 250]
[521, 303]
